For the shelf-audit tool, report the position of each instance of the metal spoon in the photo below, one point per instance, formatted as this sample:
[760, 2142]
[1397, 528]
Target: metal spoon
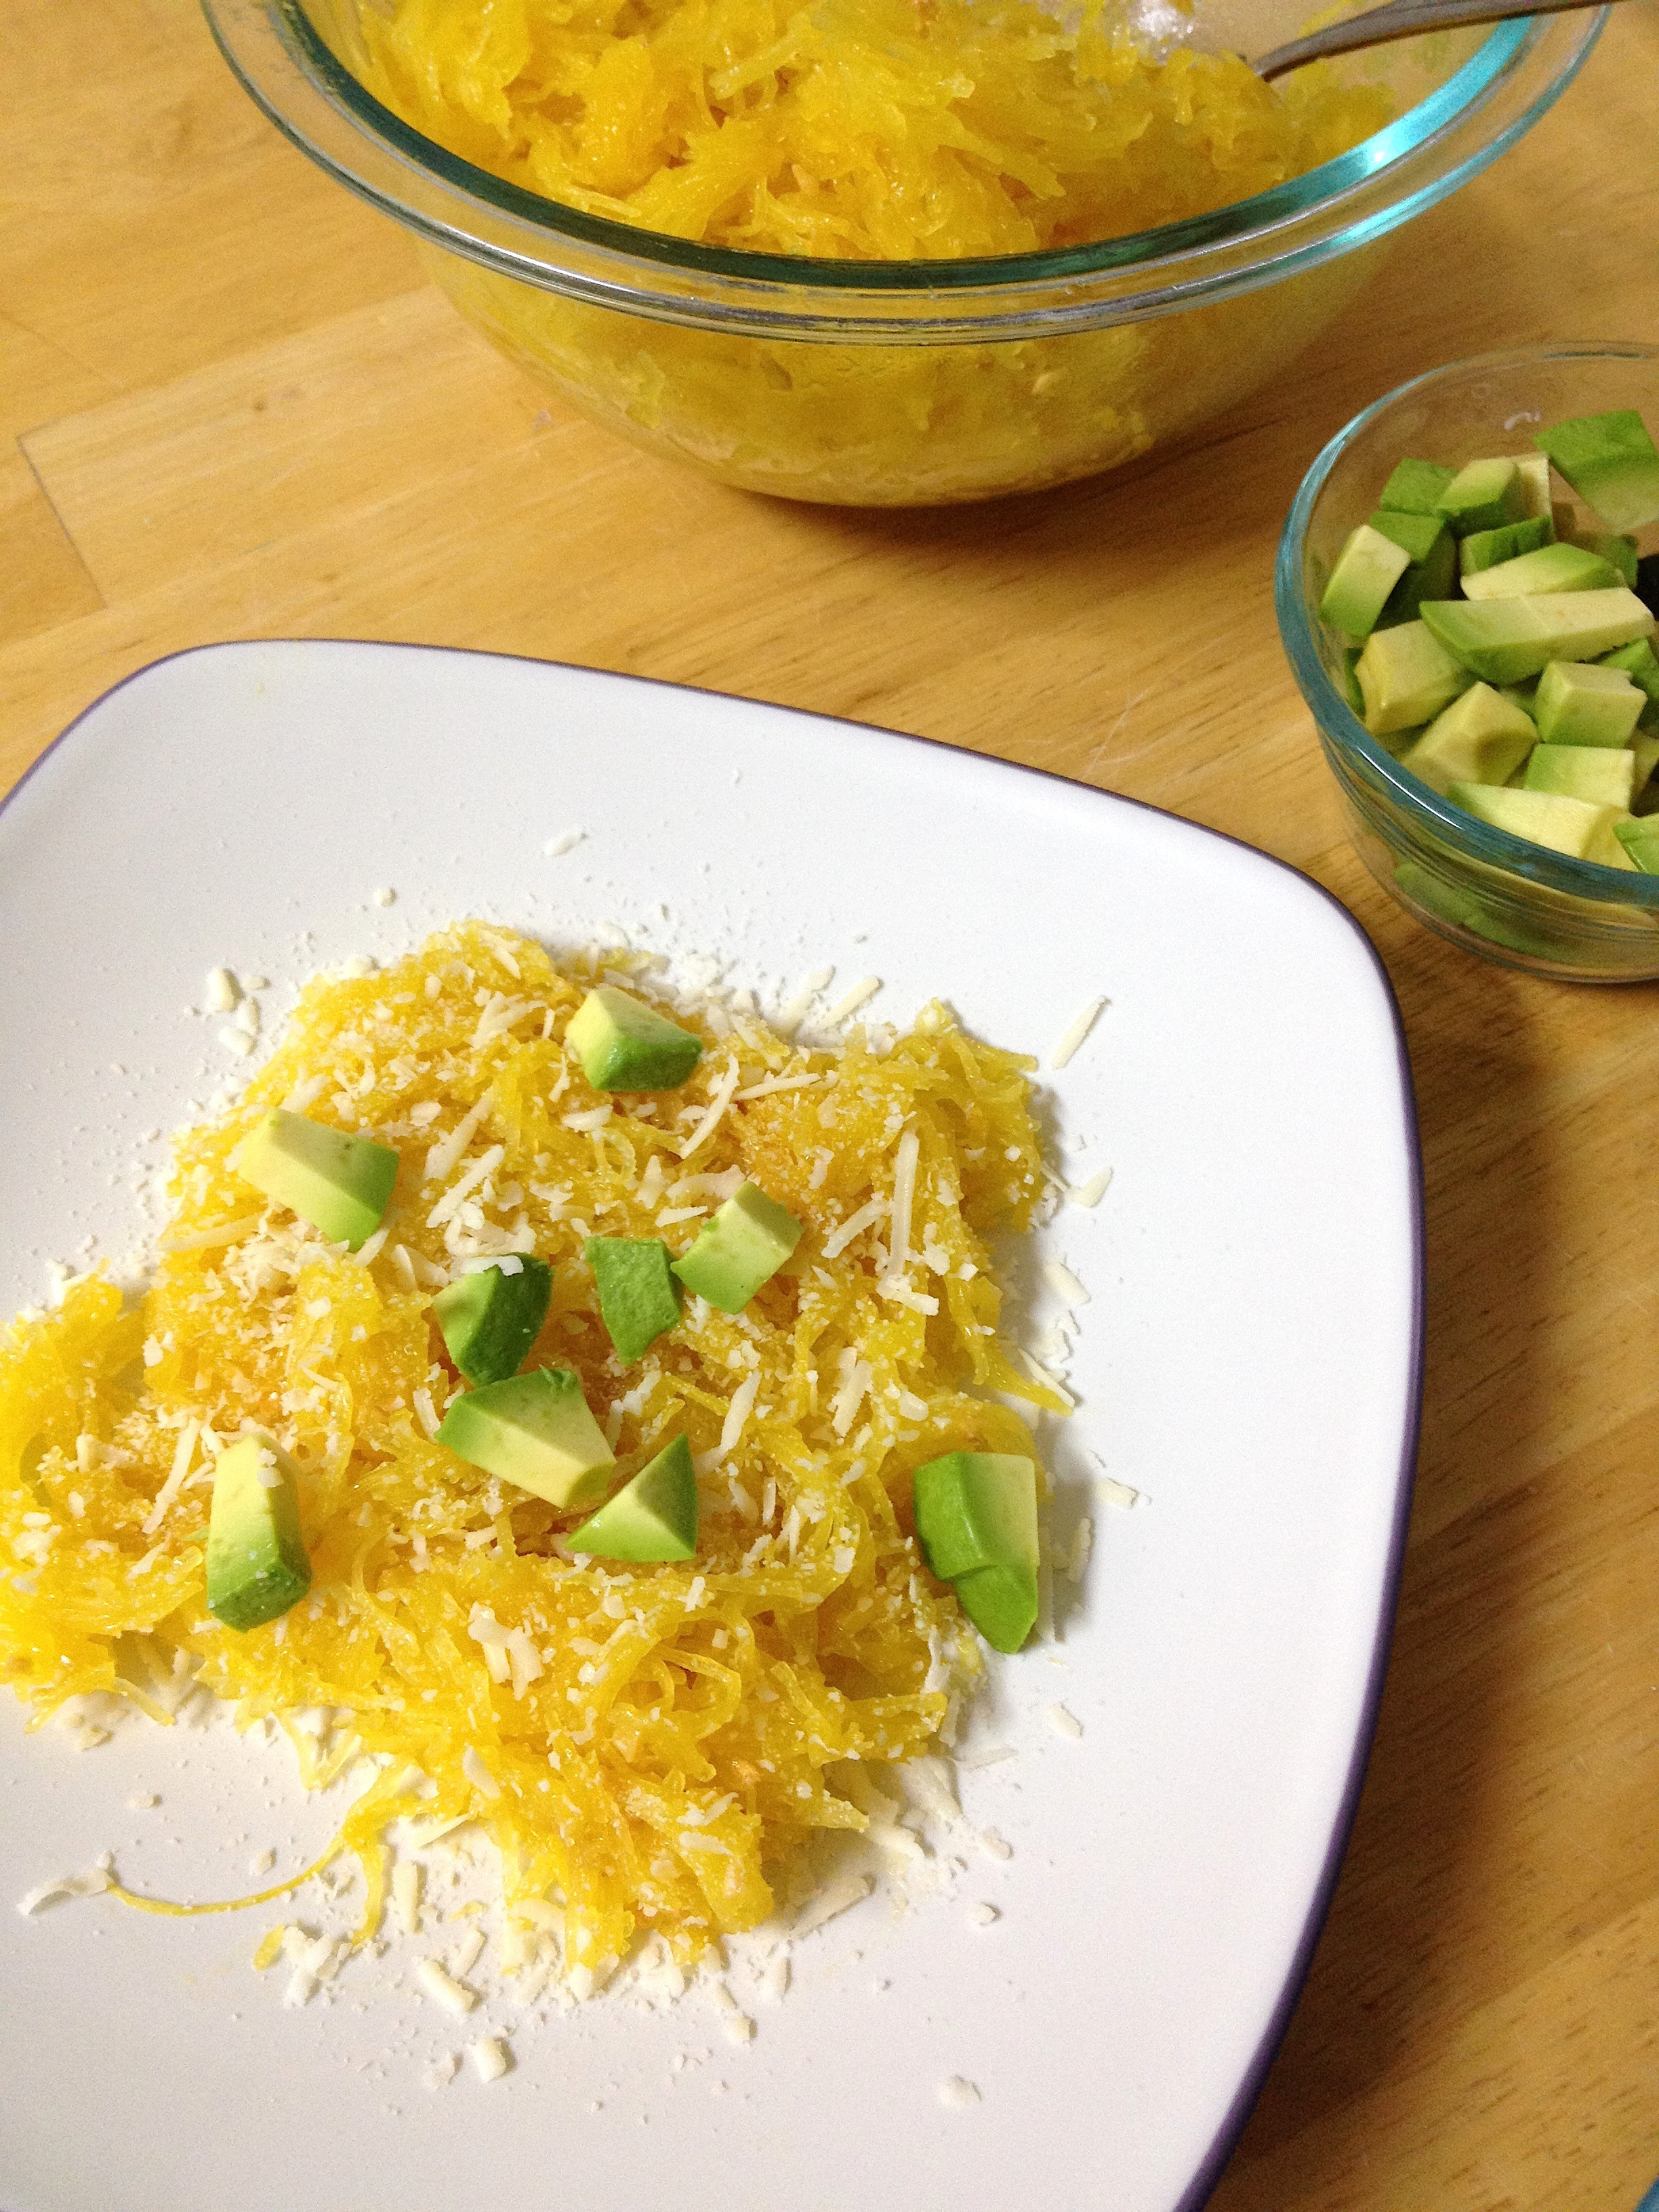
[1403, 19]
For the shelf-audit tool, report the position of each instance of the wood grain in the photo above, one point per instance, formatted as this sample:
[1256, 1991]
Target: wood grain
[229, 407]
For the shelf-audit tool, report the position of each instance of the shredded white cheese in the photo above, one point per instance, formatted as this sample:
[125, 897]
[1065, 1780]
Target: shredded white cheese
[1091, 1193]
[451, 1994]
[491, 2057]
[1075, 1035]
[844, 1009]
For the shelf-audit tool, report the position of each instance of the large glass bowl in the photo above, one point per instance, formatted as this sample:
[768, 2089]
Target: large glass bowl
[1496, 894]
[910, 383]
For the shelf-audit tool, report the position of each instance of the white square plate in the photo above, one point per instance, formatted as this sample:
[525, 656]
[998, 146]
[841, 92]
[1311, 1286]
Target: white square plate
[1249, 1360]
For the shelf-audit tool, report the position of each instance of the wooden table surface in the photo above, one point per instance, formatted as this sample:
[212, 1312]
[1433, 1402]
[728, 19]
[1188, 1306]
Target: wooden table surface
[229, 407]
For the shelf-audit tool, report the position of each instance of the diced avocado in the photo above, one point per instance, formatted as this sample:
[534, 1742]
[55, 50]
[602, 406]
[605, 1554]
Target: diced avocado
[1564, 825]
[1640, 841]
[1644, 753]
[257, 1564]
[490, 1319]
[1415, 487]
[1618, 553]
[1419, 534]
[1600, 774]
[1503, 640]
[1434, 577]
[1586, 703]
[1523, 696]
[1534, 470]
[1350, 691]
[1406, 676]
[1486, 549]
[975, 1515]
[1367, 570]
[1483, 496]
[1001, 1602]
[1551, 568]
[741, 1246]
[1481, 738]
[654, 1516]
[340, 1184]
[639, 1298]
[1641, 665]
[624, 1045]
[1610, 461]
[535, 1432]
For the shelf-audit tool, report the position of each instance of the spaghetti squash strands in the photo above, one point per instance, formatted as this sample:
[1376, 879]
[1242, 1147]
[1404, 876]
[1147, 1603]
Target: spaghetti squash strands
[648, 1747]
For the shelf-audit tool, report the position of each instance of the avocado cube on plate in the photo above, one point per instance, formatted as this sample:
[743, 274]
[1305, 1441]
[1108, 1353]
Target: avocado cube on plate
[341, 1184]
[740, 1247]
[654, 1517]
[257, 1562]
[639, 1298]
[490, 1317]
[622, 1044]
[535, 1432]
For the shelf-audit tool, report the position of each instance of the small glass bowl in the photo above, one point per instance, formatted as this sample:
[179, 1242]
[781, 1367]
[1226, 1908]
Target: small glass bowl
[910, 383]
[1496, 894]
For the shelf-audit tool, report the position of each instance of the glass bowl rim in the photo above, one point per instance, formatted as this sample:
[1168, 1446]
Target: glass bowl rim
[1341, 728]
[1318, 191]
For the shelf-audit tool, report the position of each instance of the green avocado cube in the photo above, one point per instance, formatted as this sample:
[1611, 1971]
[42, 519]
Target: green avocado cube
[1586, 703]
[1414, 487]
[535, 1432]
[1481, 738]
[1610, 461]
[1550, 568]
[1618, 553]
[1367, 570]
[490, 1317]
[1572, 826]
[976, 1516]
[1419, 534]
[639, 1298]
[1487, 549]
[1001, 1602]
[1640, 663]
[625, 1045]
[1483, 496]
[1534, 470]
[1405, 676]
[654, 1516]
[1433, 572]
[340, 1184]
[1644, 752]
[1641, 842]
[1350, 691]
[1505, 641]
[741, 1246]
[257, 1562]
[1603, 774]
[1523, 696]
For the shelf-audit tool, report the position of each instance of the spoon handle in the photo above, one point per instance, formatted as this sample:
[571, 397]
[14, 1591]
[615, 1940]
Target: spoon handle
[1403, 19]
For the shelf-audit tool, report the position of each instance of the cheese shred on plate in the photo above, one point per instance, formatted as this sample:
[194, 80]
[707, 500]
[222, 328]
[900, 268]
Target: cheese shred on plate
[649, 1747]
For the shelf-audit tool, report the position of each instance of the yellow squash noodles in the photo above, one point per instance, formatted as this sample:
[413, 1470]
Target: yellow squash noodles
[649, 1746]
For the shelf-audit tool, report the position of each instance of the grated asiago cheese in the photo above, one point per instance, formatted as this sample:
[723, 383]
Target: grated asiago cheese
[647, 1746]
